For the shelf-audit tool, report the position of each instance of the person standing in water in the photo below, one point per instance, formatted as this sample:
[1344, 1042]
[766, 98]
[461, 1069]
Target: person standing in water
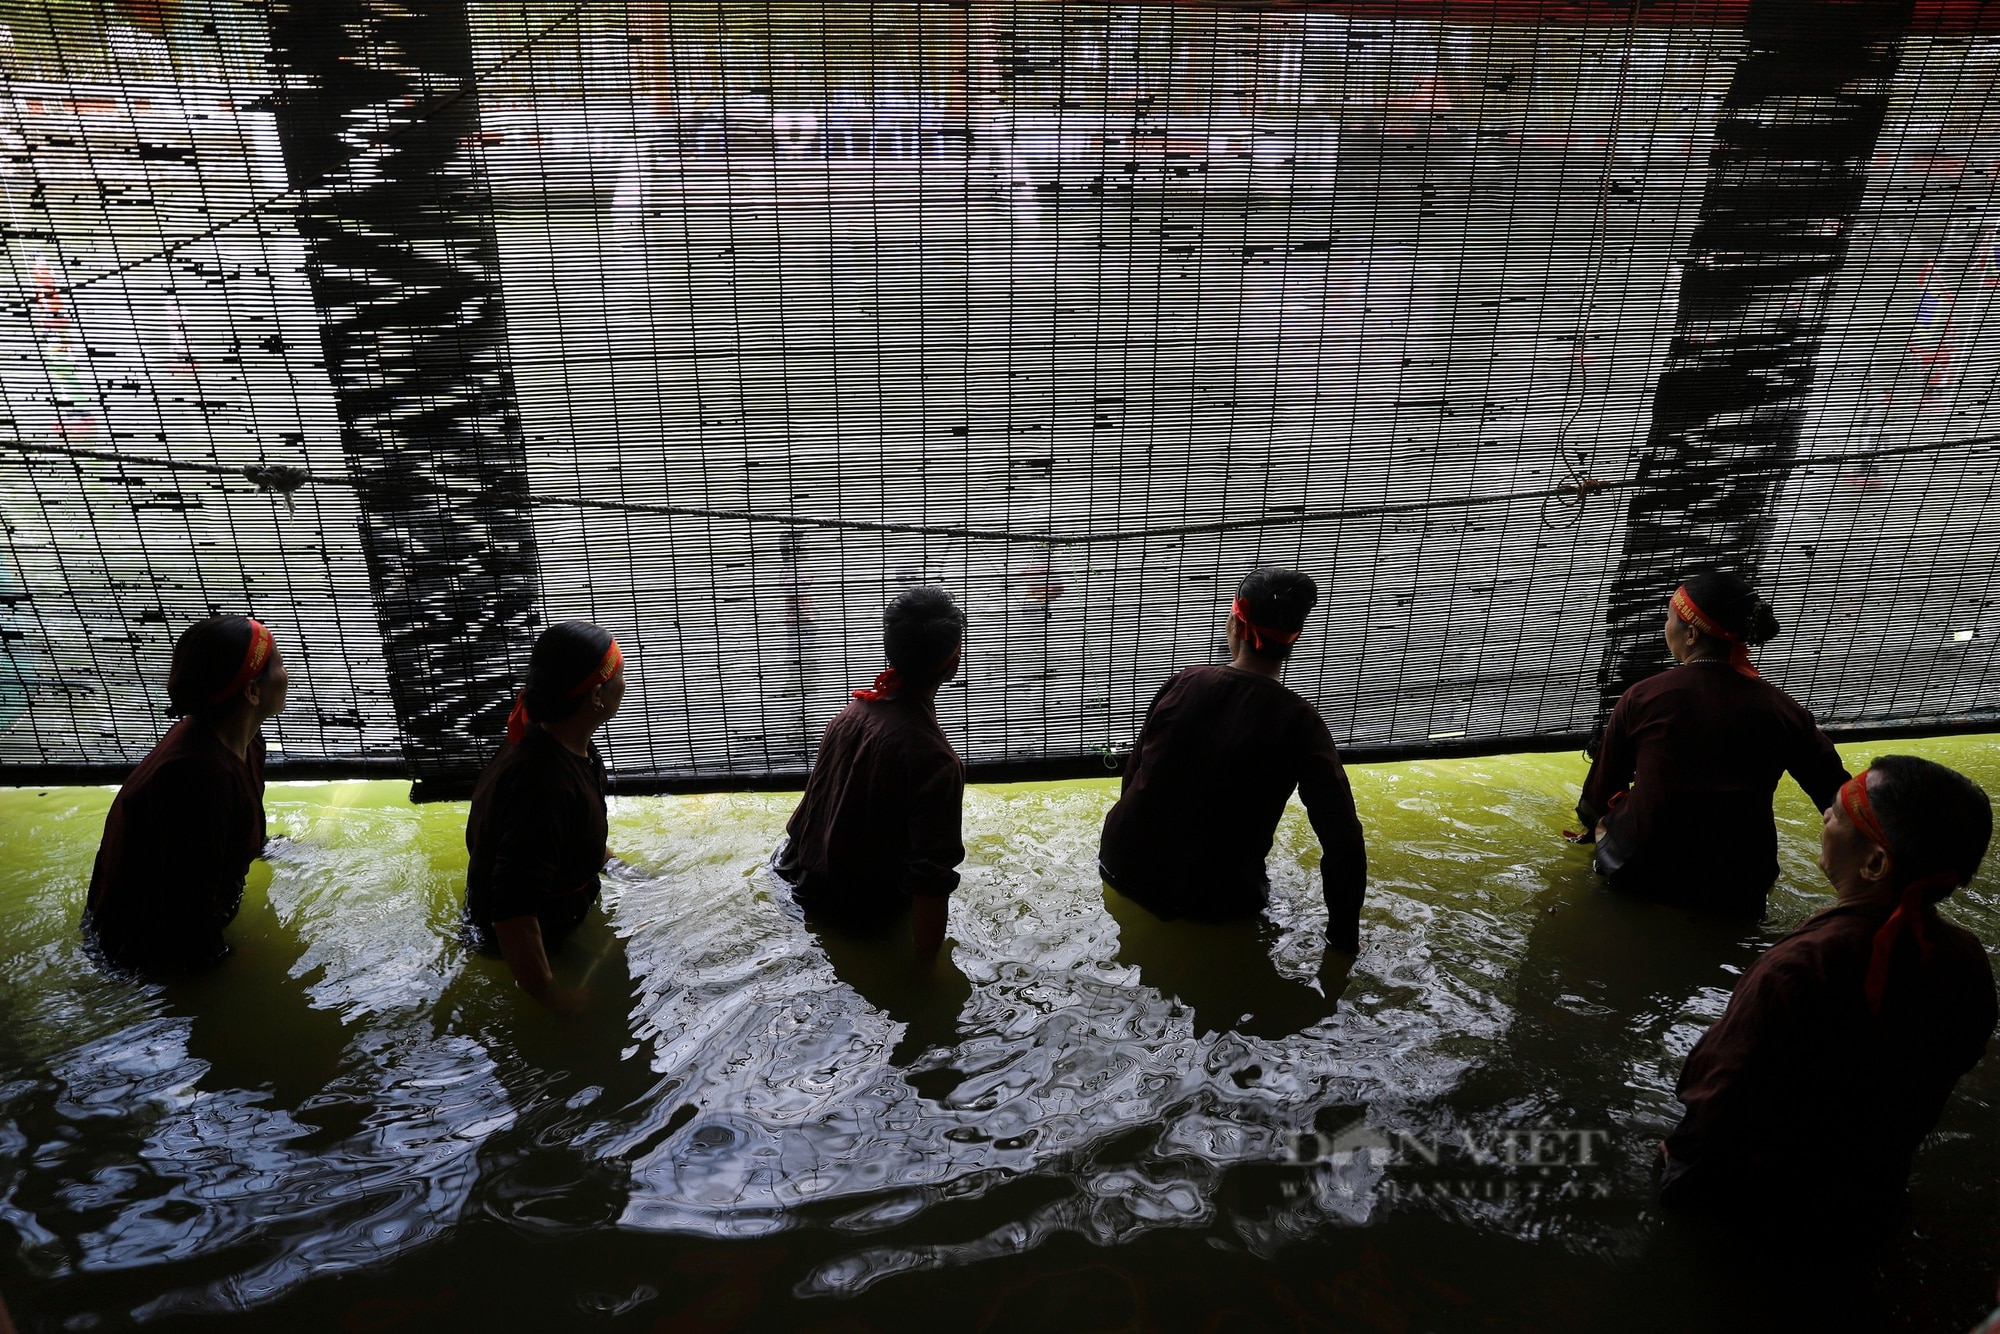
[537, 828]
[184, 828]
[1678, 800]
[1842, 1042]
[1221, 751]
[876, 834]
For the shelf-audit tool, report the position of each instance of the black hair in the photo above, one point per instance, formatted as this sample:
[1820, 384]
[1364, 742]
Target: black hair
[921, 628]
[565, 655]
[206, 659]
[1277, 600]
[1937, 819]
[1730, 601]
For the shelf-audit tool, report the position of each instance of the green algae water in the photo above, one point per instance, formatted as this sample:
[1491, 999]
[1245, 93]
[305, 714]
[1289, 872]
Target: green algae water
[1080, 1124]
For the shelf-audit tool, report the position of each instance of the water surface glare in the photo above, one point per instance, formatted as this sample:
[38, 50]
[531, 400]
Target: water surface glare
[355, 1124]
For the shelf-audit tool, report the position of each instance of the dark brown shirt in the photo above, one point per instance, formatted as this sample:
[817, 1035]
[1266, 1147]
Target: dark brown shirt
[1701, 748]
[1798, 1094]
[879, 822]
[1220, 753]
[536, 833]
[178, 841]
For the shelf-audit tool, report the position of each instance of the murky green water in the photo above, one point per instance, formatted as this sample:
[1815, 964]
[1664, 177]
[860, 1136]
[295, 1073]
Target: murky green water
[356, 1125]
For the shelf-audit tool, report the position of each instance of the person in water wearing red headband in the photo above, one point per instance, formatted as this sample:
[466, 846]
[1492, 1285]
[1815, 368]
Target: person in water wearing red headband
[184, 828]
[536, 832]
[1678, 800]
[1221, 751]
[876, 834]
[1842, 1042]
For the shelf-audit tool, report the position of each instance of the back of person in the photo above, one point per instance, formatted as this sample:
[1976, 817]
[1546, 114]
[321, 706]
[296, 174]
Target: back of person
[1690, 760]
[185, 826]
[879, 821]
[1709, 747]
[877, 831]
[1221, 753]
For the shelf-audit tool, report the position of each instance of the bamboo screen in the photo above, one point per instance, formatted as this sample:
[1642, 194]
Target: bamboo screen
[412, 328]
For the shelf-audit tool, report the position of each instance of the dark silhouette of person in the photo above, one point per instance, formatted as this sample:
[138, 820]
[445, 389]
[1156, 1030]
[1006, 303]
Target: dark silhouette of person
[1221, 751]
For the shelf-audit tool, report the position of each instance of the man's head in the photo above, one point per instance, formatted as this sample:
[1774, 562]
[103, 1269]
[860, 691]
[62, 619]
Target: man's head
[1935, 825]
[922, 632]
[1275, 603]
[223, 664]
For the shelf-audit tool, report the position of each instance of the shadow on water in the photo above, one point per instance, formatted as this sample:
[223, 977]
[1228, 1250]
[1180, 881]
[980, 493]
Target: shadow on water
[925, 995]
[1603, 1000]
[234, 1010]
[576, 1084]
[1222, 972]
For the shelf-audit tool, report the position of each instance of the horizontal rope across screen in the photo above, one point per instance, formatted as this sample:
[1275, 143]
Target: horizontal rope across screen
[410, 329]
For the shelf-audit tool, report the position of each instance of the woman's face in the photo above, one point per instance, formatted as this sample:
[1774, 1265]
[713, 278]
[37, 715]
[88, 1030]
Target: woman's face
[267, 693]
[610, 695]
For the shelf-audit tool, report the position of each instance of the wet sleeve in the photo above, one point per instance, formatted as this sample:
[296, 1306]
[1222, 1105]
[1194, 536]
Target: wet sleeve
[1139, 744]
[1611, 772]
[937, 799]
[1811, 758]
[1731, 1077]
[1343, 867]
[527, 820]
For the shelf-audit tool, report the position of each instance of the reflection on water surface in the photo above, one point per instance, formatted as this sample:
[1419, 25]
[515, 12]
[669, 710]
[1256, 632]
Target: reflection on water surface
[356, 1124]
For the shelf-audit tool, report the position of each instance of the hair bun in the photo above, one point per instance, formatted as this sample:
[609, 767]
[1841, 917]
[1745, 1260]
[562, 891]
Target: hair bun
[1763, 623]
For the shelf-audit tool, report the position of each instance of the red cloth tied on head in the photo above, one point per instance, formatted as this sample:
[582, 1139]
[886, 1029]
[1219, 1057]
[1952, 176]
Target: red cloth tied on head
[1909, 913]
[607, 667]
[1261, 637]
[1739, 652]
[255, 659]
[887, 685]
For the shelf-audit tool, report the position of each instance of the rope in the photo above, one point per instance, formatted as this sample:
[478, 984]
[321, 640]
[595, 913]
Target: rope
[283, 480]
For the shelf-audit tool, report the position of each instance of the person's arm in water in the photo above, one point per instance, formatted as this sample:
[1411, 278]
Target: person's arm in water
[930, 872]
[1139, 742]
[1343, 866]
[520, 941]
[523, 873]
[1611, 772]
[1811, 759]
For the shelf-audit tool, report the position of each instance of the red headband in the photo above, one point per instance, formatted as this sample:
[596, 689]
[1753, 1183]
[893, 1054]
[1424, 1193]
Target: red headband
[887, 685]
[607, 667]
[1261, 637]
[1909, 907]
[255, 659]
[1739, 652]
